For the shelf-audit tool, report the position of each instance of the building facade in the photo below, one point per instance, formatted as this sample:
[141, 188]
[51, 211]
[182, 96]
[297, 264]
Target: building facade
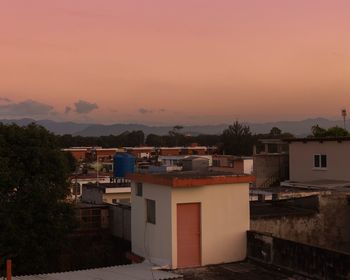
[313, 159]
[106, 193]
[188, 219]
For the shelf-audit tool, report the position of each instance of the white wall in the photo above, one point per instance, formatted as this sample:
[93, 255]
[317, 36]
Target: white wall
[150, 241]
[225, 220]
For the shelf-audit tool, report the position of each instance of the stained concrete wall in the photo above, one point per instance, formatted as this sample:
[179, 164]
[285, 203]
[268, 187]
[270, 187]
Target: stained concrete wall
[330, 228]
[120, 221]
[310, 261]
[268, 165]
[98, 196]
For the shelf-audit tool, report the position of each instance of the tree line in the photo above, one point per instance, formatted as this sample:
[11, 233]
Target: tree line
[236, 139]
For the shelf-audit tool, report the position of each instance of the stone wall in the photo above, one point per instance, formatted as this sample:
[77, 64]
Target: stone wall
[329, 228]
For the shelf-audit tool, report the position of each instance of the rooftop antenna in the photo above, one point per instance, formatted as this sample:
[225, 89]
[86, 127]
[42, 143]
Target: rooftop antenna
[343, 113]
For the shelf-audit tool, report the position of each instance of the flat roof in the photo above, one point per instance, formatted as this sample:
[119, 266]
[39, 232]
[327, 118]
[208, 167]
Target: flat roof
[84, 205]
[139, 148]
[123, 272]
[90, 176]
[271, 210]
[317, 139]
[107, 185]
[184, 148]
[321, 185]
[191, 178]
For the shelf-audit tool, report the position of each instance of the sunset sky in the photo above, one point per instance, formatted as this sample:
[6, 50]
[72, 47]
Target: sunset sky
[174, 62]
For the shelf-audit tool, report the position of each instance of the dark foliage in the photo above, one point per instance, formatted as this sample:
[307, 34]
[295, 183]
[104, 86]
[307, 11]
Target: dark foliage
[335, 131]
[33, 185]
[238, 140]
[133, 139]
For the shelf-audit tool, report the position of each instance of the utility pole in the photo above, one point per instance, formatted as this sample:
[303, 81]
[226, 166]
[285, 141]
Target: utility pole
[343, 113]
[97, 171]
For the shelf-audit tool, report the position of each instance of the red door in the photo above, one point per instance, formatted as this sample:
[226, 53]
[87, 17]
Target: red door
[188, 235]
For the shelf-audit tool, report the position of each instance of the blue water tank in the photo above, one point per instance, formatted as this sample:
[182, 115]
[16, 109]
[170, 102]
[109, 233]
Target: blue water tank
[124, 163]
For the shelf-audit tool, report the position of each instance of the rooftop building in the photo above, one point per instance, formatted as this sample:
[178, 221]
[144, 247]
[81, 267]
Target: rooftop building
[187, 219]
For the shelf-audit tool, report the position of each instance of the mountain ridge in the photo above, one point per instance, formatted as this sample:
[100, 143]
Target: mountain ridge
[298, 128]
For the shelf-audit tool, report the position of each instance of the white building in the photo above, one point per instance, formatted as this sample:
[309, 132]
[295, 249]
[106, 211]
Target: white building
[77, 182]
[189, 219]
[106, 193]
[177, 160]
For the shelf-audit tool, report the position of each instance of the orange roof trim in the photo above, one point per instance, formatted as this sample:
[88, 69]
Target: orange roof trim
[175, 182]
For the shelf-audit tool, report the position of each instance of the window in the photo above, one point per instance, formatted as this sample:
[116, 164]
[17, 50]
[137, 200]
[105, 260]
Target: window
[320, 161]
[151, 211]
[139, 189]
[115, 201]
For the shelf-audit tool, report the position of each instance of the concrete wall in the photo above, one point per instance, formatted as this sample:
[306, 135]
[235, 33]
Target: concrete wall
[330, 228]
[120, 221]
[195, 164]
[224, 220]
[153, 242]
[309, 261]
[224, 163]
[302, 160]
[268, 165]
[97, 196]
[92, 195]
[119, 197]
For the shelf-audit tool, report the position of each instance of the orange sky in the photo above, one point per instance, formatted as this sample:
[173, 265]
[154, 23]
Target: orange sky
[170, 62]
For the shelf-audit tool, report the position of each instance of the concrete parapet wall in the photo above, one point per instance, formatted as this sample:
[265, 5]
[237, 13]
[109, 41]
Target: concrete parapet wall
[310, 261]
[328, 228]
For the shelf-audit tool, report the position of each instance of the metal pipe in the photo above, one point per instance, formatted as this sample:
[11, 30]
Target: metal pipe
[8, 269]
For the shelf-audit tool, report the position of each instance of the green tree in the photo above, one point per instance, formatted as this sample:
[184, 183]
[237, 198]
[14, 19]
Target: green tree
[275, 131]
[335, 131]
[33, 186]
[177, 136]
[154, 140]
[318, 131]
[238, 140]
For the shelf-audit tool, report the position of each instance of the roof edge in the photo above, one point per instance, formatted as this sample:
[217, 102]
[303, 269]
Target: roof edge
[176, 182]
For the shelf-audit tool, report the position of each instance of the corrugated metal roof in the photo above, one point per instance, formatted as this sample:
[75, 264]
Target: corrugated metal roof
[140, 271]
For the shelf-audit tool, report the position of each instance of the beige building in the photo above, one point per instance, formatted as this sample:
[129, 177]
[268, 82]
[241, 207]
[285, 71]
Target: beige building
[189, 219]
[314, 159]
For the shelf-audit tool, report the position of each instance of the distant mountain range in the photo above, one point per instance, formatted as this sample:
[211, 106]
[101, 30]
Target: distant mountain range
[298, 128]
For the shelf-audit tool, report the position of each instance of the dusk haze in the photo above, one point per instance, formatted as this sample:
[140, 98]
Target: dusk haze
[183, 139]
[168, 62]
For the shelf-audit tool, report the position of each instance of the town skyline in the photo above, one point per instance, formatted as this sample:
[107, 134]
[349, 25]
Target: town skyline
[196, 62]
